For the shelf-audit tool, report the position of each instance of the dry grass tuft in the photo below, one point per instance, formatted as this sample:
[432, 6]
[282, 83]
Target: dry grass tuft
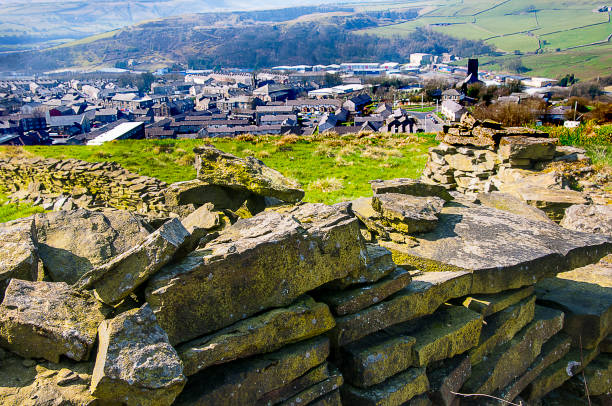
[185, 160]
[326, 185]
[287, 140]
[246, 137]
[324, 150]
[263, 154]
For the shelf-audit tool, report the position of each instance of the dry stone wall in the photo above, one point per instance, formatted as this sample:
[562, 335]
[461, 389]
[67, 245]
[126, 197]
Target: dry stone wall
[52, 182]
[405, 298]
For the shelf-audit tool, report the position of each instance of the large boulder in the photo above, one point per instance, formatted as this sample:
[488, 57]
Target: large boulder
[136, 365]
[265, 261]
[589, 219]
[407, 186]
[18, 252]
[502, 250]
[219, 168]
[117, 278]
[72, 243]
[521, 147]
[49, 319]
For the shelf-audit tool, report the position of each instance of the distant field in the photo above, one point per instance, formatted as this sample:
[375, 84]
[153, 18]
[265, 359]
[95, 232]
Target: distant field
[330, 170]
[514, 25]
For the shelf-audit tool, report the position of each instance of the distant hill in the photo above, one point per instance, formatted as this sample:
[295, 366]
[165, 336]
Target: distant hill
[25, 24]
[249, 39]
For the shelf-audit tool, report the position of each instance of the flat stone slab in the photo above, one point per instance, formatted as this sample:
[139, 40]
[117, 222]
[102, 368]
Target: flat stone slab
[351, 301]
[491, 304]
[394, 391]
[71, 243]
[314, 376]
[559, 372]
[407, 186]
[422, 297]
[117, 278]
[331, 399]
[377, 357]
[520, 147]
[219, 168]
[260, 334]
[246, 381]
[265, 261]
[512, 204]
[316, 391]
[408, 214]
[446, 377]
[378, 264]
[363, 210]
[18, 252]
[49, 319]
[510, 360]
[585, 295]
[136, 364]
[598, 376]
[502, 327]
[501, 250]
[199, 193]
[552, 351]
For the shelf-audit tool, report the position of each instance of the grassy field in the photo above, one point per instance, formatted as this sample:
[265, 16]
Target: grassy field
[330, 170]
[12, 211]
[516, 25]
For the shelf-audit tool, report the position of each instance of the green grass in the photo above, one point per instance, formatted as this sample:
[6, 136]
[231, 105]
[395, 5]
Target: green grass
[350, 161]
[12, 211]
[581, 36]
[597, 142]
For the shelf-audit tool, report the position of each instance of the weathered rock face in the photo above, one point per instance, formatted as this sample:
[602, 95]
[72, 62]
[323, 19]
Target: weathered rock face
[46, 320]
[136, 365]
[117, 278]
[71, 243]
[378, 264]
[469, 239]
[265, 333]
[589, 219]
[408, 214]
[491, 304]
[446, 377]
[244, 382]
[407, 186]
[521, 147]
[199, 193]
[18, 252]
[266, 261]
[249, 174]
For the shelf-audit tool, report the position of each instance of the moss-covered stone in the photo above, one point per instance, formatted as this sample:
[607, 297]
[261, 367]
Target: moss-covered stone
[352, 300]
[18, 252]
[49, 319]
[310, 378]
[395, 391]
[512, 204]
[219, 168]
[446, 378]
[407, 186]
[331, 399]
[588, 305]
[378, 264]
[200, 193]
[375, 358]
[606, 344]
[552, 351]
[491, 304]
[118, 278]
[423, 296]
[316, 391]
[260, 334]
[511, 359]
[450, 331]
[501, 328]
[244, 382]
[559, 372]
[598, 377]
[72, 243]
[136, 364]
[45, 383]
[258, 263]
[408, 214]
[502, 250]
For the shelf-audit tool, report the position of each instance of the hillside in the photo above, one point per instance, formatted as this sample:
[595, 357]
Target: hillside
[523, 27]
[250, 40]
[27, 24]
